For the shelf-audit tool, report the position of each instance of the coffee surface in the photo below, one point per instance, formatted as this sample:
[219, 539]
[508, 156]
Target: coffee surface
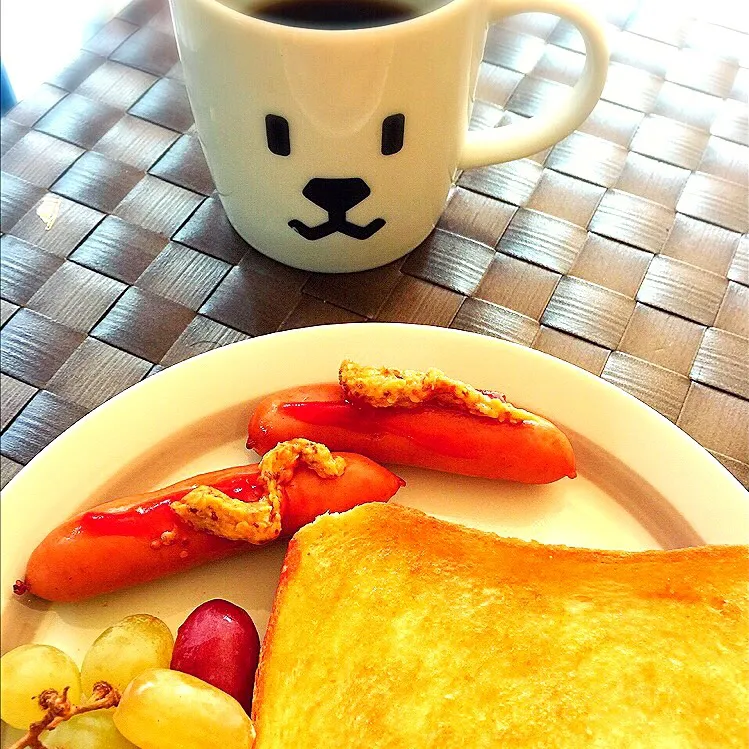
[333, 14]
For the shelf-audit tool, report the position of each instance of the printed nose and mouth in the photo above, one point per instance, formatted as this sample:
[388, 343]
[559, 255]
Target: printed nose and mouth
[336, 196]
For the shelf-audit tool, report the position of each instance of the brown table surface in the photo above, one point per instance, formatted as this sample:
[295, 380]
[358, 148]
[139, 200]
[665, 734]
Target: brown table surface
[623, 249]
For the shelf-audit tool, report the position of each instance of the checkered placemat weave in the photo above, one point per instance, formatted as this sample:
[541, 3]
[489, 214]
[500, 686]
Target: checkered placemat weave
[623, 249]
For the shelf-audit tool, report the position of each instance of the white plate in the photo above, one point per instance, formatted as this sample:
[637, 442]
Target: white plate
[642, 482]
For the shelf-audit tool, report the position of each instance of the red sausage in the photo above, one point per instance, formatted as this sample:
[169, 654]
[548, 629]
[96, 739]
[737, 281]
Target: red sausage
[430, 435]
[140, 538]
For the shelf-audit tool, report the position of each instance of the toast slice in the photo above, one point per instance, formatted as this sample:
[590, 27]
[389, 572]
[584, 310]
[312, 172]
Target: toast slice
[393, 629]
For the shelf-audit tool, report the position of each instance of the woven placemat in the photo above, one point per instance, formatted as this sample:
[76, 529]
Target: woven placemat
[623, 249]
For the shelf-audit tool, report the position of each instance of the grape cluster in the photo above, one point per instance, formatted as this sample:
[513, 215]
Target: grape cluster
[158, 707]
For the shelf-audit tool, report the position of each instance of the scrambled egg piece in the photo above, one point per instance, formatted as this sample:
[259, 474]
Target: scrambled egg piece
[381, 387]
[278, 464]
[208, 509]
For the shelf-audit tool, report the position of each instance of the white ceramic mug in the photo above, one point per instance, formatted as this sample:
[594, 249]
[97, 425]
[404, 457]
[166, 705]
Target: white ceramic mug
[334, 150]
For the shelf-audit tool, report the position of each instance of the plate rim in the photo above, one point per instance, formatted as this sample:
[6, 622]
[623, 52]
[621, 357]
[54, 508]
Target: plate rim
[196, 361]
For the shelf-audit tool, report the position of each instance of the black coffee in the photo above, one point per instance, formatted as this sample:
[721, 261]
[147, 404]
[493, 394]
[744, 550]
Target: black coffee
[333, 14]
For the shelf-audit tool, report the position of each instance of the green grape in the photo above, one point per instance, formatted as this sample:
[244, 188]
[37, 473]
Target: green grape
[128, 648]
[163, 708]
[94, 730]
[26, 672]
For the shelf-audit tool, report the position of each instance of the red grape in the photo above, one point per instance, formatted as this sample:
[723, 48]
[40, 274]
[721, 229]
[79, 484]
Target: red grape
[218, 643]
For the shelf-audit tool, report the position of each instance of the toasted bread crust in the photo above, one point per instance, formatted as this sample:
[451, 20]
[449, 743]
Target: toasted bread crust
[393, 629]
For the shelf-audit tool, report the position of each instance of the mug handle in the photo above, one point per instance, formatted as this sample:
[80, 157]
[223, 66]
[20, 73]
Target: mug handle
[521, 139]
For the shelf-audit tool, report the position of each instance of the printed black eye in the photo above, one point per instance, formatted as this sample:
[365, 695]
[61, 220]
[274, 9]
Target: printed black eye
[393, 127]
[277, 134]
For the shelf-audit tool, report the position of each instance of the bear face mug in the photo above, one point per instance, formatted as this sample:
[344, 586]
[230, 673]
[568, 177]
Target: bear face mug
[335, 130]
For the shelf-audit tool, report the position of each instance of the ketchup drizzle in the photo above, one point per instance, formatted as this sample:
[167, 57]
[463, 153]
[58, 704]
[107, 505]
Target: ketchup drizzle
[442, 429]
[150, 519]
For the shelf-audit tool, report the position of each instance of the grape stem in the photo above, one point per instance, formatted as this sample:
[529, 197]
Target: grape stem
[58, 709]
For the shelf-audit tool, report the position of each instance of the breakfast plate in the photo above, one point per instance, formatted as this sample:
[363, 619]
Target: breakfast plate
[642, 482]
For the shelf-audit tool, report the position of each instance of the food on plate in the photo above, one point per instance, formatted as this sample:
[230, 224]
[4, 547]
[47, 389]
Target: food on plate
[415, 418]
[163, 708]
[126, 649]
[218, 643]
[135, 703]
[57, 708]
[147, 536]
[394, 629]
[94, 730]
[28, 670]
[68, 708]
